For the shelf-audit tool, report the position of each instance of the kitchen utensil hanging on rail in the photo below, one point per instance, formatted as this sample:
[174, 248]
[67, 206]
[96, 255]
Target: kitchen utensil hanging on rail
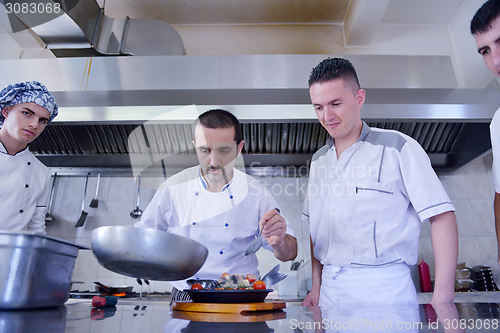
[94, 203]
[136, 213]
[83, 215]
[49, 218]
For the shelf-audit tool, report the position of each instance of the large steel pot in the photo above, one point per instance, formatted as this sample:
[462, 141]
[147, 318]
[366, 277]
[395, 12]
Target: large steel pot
[36, 270]
[147, 253]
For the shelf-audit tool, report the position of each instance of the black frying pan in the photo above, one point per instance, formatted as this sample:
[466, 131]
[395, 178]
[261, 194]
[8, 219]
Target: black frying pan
[105, 290]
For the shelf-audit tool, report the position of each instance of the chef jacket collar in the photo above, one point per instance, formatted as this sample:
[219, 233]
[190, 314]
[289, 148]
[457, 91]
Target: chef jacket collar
[364, 132]
[204, 183]
[3, 150]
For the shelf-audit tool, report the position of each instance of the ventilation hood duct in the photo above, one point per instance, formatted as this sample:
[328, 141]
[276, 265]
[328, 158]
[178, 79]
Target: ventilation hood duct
[123, 112]
[80, 29]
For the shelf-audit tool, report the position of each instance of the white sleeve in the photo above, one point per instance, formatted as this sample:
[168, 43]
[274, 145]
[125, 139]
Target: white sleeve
[423, 187]
[156, 215]
[495, 148]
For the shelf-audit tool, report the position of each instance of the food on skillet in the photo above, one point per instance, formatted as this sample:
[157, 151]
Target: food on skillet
[232, 282]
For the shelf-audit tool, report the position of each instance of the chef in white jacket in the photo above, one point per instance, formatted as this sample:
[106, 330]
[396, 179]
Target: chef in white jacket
[26, 108]
[219, 206]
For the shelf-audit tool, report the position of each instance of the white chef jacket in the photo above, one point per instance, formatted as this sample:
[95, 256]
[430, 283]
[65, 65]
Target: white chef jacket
[24, 192]
[366, 207]
[376, 285]
[225, 222]
[495, 147]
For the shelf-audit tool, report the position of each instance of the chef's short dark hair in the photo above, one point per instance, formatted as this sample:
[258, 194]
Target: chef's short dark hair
[218, 118]
[332, 69]
[481, 22]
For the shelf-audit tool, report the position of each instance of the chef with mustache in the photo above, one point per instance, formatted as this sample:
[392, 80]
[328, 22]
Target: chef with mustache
[219, 206]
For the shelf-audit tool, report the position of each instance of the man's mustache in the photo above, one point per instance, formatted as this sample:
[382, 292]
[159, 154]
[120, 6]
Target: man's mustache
[212, 168]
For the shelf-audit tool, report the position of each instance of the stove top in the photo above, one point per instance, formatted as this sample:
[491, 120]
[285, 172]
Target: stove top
[145, 296]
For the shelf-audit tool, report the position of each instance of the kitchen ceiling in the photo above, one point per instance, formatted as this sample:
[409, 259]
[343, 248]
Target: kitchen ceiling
[358, 19]
[180, 12]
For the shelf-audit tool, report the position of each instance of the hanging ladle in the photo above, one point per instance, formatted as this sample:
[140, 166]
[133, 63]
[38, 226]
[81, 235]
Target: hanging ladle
[136, 213]
[49, 218]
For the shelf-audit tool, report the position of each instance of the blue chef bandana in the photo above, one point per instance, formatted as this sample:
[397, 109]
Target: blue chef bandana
[26, 92]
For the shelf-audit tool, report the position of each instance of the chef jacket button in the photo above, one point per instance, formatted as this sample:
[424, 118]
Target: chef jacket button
[194, 223]
[26, 186]
[230, 197]
[221, 252]
[29, 163]
[21, 211]
[226, 225]
[195, 193]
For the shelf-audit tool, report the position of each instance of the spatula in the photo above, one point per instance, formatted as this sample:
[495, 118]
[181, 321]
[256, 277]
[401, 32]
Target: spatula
[83, 215]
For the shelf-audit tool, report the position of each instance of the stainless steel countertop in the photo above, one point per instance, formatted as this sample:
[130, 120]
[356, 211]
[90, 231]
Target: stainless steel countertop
[144, 316]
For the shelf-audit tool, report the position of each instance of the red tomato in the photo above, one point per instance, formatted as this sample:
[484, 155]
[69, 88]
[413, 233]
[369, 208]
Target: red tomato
[224, 275]
[251, 278]
[259, 285]
[196, 286]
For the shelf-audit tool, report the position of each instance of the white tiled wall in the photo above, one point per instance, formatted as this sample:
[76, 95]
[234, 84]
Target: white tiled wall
[470, 190]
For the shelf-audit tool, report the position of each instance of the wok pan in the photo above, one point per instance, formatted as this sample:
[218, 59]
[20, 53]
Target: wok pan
[147, 253]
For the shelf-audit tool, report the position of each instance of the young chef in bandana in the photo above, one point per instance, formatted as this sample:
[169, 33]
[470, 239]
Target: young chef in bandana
[219, 206]
[26, 108]
[485, 26]
[368, 191]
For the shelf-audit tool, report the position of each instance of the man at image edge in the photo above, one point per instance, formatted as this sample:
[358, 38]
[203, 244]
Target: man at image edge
[485, 27]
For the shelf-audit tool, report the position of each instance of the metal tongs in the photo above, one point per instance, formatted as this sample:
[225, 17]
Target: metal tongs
[273, 277]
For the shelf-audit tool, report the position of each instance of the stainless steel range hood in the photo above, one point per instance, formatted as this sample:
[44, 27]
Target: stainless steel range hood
[156, 99]
[80, 29]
